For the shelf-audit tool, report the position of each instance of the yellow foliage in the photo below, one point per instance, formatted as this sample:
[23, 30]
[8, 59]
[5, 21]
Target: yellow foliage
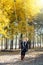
[32, 7]
[17, 11]
[6, 12]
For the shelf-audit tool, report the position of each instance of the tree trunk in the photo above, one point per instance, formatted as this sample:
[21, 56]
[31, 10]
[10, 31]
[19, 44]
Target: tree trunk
[6, 44]
[16, 42]
[40, 41]
[33, 44]
[11, 45]
[29, 44]
[33, 41]
[20, 41]
[2, 44]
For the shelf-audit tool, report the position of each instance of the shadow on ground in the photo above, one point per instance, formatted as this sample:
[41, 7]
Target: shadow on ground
[38, 49]
[9, 52]
[15, 52]
[28, 61]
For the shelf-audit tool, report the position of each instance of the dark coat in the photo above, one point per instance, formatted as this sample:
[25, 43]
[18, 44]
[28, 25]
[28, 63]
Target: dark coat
[24, 46]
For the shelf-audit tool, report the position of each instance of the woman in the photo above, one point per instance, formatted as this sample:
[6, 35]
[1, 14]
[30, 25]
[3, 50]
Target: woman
[24, 47]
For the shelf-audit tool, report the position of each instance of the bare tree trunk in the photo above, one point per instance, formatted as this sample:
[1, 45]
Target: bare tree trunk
[33, 43]
[40, 41]
[20, 41]
[11, 45]
[29, 44]
[33, 40]
[2, 44]
[6, 44]
[16, 42]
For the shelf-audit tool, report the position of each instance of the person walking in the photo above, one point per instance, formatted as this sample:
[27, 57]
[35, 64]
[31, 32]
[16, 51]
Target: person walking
[24, 47]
